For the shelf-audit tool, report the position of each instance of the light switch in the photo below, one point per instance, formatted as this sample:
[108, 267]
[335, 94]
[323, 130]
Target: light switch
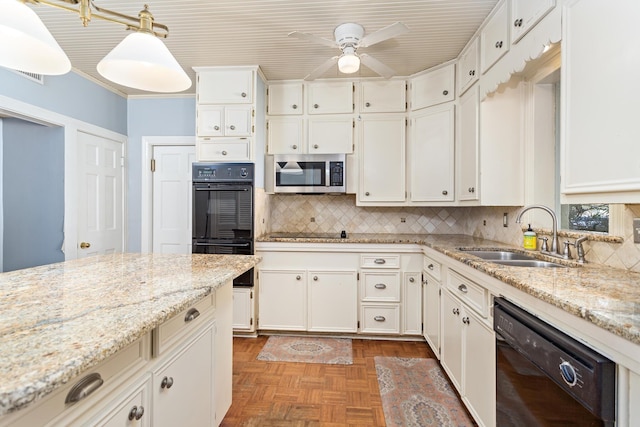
[636, 230]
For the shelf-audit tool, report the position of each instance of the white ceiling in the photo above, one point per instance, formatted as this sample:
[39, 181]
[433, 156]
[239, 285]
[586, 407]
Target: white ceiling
[254, 32]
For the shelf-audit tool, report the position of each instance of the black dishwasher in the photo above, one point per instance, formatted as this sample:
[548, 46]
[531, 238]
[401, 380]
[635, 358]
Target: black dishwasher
[546, 378]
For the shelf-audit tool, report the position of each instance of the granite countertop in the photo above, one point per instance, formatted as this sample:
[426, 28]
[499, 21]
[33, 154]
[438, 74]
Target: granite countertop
[59, 320]
[605, 296]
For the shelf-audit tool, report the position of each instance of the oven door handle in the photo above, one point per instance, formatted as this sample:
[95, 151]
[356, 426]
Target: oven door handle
[229, 245]
[221, 188]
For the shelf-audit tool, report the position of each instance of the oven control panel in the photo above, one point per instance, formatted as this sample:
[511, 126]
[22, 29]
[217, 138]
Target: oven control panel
[223, 172]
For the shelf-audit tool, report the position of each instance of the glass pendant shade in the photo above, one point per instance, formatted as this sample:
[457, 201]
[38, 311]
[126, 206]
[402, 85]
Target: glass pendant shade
[348, 63]
[26, 44]
[142, 61]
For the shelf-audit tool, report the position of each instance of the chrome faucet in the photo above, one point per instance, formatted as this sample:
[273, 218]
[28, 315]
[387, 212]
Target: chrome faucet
[555, 247]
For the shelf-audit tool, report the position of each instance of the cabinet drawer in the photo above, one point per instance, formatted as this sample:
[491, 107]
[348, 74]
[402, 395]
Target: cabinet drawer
[381, 286]
[472, 294]
[380, 318]
[432, 268]
[380, 261]
[180, 324]
[225, 149]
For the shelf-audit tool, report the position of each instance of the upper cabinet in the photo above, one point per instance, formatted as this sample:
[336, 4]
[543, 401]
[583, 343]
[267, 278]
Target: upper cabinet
[330, 97]
[494, 38]
[525, 14]
[383, 96]
[284, 99]
[433, 87]
[225, 86]
[468, 70]
[599, 108]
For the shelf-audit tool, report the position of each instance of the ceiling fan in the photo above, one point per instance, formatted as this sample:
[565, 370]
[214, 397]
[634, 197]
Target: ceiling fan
[349, 37]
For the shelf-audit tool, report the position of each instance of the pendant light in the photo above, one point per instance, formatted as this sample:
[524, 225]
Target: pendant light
[26, 44]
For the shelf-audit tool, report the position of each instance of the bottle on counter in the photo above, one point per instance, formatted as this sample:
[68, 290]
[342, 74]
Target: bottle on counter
[530, 241]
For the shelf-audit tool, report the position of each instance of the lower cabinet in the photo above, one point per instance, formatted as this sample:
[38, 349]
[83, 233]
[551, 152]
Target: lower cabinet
[411, 304]
[283, 300]
[129, 409]
[431, 313]
[243, 310]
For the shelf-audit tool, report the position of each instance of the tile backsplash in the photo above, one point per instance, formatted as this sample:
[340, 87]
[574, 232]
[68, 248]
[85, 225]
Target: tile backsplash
[333, 213]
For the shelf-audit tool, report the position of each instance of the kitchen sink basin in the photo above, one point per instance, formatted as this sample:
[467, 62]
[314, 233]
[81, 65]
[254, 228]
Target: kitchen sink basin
[499, 255]
[527, 263]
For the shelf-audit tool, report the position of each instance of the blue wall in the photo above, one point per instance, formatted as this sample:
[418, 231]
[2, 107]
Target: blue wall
[33, 194]
[151, 117]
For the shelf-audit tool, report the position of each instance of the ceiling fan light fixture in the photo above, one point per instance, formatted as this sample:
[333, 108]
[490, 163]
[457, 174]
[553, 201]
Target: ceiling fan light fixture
[142, 61]
[26, 44]
[349, 62]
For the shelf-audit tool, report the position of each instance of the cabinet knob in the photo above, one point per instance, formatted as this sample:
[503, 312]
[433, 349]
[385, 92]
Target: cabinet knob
[411, 279]
[367, 193]
[445, 92]
[315, 105]
[367, 104]
[298, 277]
[232, 127]
[216, 127]
[456, 311]
[315, 146]
[224, 153]
[445, 192]
[191, 314]
[167, 382]
[136, 413]
[471, 72]
[85, 245]
[498, 44]
[294, 146]
[315, 278]
[430, 266]
[517, 22]
[472, 190]
[380, 286]
[294, 106]
[379, 318]
[463, 288]
[465, 320]
[243, 94]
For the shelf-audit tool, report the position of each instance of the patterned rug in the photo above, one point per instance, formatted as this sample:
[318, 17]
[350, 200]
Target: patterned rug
[415, 392]
[335, 351]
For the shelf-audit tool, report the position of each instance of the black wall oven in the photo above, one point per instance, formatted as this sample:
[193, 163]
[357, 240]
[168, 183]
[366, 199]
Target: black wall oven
[223, 211]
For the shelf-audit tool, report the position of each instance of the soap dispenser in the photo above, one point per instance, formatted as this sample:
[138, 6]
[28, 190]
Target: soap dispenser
[530, 241]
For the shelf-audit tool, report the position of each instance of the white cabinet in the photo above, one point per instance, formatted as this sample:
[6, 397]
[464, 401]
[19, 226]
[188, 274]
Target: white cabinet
[330, 134]
[330, 97]
[332, 301]
[468, 70]
[467, 145]
[525, 14]
[223, 149]
[433, 87]
[431, 154]
[411, 304]
[383, 96]
[133, 409]
[494, 38]
[224, 85]
[243, 310]
[599, 110]
[431, 303]
[451, 349]
[216, 120]
[382, 160]
[283, 300]
[285, 99]
[285, 135]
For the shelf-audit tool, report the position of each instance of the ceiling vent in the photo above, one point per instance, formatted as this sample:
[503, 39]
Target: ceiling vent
[38, 78]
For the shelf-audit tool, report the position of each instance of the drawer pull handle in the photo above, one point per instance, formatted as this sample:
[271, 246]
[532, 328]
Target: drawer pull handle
[465, 320]
[379, 318]
[136, 413]
[430, 266]
[380, 286]
[191, 314]
[84, 388]
[380, 261]
[463, 288]
[167, 382]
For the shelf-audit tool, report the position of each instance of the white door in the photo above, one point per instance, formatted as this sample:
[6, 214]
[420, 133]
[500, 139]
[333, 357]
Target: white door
[100, 195]
[172, 198]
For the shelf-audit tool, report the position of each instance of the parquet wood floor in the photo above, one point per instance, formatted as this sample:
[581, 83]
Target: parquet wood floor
[283, 394]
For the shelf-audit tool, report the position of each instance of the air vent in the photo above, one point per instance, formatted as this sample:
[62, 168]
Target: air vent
[38, 78]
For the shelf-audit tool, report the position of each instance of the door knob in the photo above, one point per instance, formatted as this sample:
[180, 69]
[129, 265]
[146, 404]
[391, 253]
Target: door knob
[85, 245]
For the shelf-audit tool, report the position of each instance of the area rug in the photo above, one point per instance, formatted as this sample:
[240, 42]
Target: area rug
[415, 392]
[334, 351]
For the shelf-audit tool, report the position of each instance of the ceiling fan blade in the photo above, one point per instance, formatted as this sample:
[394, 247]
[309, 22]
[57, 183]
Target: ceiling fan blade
[313, 38]
[322, 68]
[383, 34]
[377, 66]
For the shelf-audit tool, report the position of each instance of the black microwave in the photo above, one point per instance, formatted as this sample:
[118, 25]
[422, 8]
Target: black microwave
[311, 173]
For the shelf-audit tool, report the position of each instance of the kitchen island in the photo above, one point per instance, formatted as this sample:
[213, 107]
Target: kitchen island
[59, 321]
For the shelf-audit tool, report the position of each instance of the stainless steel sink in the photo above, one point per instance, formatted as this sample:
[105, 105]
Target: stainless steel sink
[499, 255]
[528, 263]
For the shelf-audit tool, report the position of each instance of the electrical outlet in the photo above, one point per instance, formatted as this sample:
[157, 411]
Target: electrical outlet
[505, 221]
[313, 219]
[636, 230]
[484, 222]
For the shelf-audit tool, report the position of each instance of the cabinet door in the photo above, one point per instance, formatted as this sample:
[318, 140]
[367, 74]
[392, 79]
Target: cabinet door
[432, 155]
[333, 301]
[223, 149]
[412, 304]
[243, 309]
[285, 135]
[468, 67]
[330, 98]
[525, 14]
[433, 88]
[237, 121]
[384, 96]
[451, 340]
[382, 160]
[132, 410]
[467, 152]
[431, 313]
[284, 98]
[183, 387]
[329, 135]
[494, 38]
[283, 300]
[479, 368]
[225, 87]
[210, 120]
